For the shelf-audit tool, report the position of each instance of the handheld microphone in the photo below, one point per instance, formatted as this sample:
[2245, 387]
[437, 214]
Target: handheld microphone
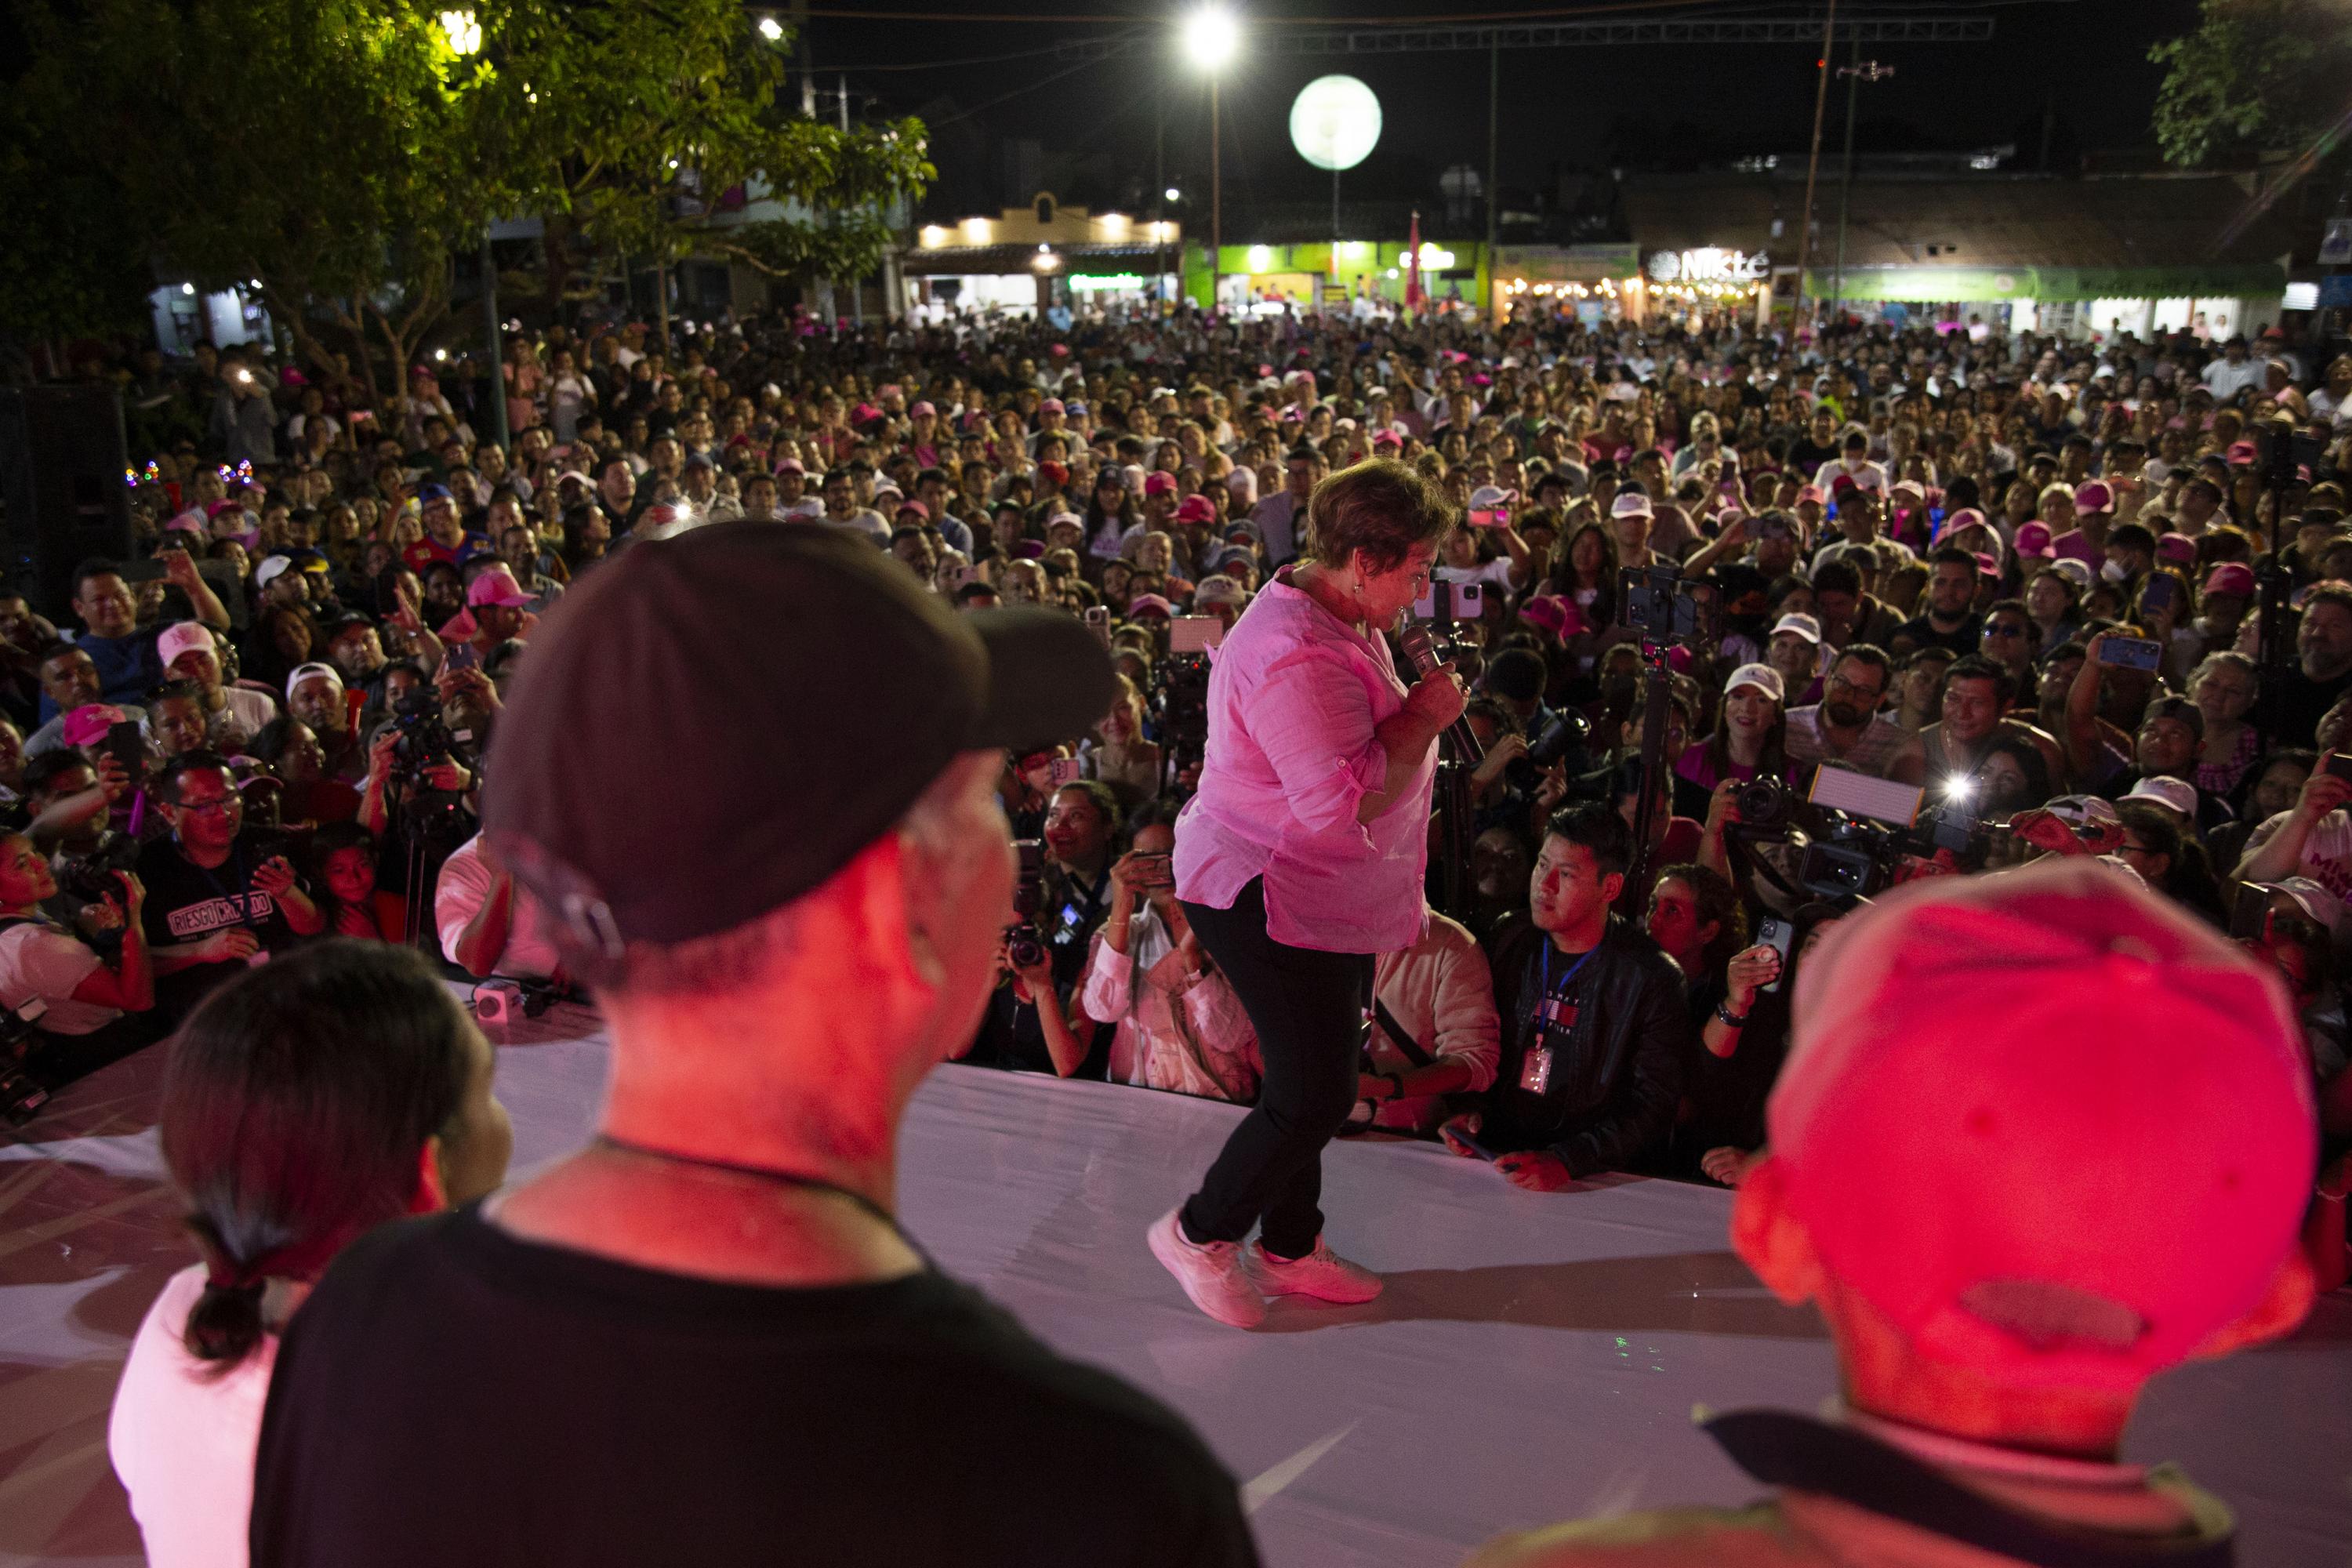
[1415, 638]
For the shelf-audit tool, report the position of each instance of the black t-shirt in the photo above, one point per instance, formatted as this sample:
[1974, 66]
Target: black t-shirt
[453, 1395]
[1961, 640]
[187, 902]
[2302, 703]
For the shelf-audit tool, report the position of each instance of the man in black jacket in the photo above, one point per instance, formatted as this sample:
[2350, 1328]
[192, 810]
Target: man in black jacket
[1594, 1022]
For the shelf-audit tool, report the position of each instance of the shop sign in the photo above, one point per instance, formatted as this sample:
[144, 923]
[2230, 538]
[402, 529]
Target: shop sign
[1709, 265]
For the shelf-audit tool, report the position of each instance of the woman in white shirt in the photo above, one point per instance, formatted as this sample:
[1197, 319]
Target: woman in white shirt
[1179, 1025]
[309, 1102]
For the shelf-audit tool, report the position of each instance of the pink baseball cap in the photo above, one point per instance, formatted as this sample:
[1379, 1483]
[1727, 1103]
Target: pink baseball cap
[1987, 566]
[496, 586]
[1969, 517]
[184, 636]
[2176, 548]
[1196, 509]
[1050, 405]
[2033, 542]
[1553, 614]
[1158, 480]
[86, 725]
[1387, 438]
[1989, 1076]
[922, 407]
[2244, 452]
[2231, 577]
[2093, 496]
[1149, 604]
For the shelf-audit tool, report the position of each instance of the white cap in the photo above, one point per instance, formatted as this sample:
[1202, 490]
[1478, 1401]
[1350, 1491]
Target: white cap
[2178, 796]
[2311, 898]
[303, 672]
[2083, 811]
[1489, 498]
[1762, 677]
[1803, 624]
[1634, 503]
[271, 568]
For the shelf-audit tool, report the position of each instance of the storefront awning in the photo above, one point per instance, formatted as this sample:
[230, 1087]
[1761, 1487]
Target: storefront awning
[1932, 285]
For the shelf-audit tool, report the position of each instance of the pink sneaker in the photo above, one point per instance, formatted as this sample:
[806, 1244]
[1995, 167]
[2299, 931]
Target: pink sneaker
[1322, 1274]
[1210, 1273]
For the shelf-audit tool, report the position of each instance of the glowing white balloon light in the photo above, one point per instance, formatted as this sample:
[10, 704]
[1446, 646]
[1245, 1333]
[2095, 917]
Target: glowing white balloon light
[1335, 122]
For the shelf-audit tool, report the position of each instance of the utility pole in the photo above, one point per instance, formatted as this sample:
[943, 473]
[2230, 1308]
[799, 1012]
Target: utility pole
[1493, 103]
[496, 343]
[1814, 161]
[1216, 204]
[1159, 197]
[1855, 75]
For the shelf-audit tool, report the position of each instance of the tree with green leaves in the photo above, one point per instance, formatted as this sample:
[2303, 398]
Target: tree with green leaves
[2256, 76]
[342, 154]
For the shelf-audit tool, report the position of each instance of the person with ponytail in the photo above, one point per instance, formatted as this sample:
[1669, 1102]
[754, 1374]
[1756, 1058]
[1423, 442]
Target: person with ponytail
[306, 1102]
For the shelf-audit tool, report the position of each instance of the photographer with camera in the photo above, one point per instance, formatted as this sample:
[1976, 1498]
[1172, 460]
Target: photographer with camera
[80, 1010]
[1033, 1022]
[216, 901]
[1177, 1025]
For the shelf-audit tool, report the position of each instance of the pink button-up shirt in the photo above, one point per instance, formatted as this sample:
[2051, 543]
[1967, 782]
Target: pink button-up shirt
[1294, 696]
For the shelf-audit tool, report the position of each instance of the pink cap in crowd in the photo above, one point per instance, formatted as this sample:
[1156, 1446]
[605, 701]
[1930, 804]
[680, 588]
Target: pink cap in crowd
[1196, 509]
[184, 636]
[2176, 548]
[2231, 577]
[1553, 614]
[2033, 542]
[87, 724]
[2093, 496]
[496, 586]
[1990, 1078]
[1159, 482]
[1050, 405]
[1149, 604]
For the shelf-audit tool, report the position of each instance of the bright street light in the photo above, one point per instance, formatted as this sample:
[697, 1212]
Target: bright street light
[464, 30]
[771, 29]
[1174, 195]
[1211, 38]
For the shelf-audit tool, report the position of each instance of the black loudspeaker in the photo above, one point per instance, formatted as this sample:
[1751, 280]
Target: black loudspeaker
[62, 495]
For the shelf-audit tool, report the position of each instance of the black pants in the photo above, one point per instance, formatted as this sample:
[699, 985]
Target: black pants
[1307, 1007]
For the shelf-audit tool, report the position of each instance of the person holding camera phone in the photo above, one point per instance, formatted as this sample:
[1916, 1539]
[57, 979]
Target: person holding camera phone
[84, 1008]
[2169, 744]
[1177, 1025]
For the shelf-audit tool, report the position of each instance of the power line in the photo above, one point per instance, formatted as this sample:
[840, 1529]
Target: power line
[1795, 28]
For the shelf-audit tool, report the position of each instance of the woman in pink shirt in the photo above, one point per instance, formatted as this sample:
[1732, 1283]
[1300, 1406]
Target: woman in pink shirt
[1300, 858]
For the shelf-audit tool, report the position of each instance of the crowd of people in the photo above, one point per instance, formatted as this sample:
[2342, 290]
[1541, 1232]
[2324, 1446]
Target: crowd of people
[2022, 574]
[2032, 598]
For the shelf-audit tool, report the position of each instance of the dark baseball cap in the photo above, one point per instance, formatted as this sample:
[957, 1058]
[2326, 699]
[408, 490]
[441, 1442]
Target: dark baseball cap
[715, 723]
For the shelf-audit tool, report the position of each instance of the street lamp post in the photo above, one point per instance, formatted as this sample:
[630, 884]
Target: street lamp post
[1861, 71]
[1211, 37]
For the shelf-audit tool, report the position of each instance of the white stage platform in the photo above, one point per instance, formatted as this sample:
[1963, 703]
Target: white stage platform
[1536, 1356]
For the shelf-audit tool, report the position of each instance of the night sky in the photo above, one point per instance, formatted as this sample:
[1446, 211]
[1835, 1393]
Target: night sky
[1563, 110]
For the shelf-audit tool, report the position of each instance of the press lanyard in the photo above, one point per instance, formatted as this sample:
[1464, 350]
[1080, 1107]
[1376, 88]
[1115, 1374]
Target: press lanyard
[1544, 986]
[241, 900]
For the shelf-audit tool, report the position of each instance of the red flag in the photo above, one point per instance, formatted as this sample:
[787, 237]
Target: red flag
[1412, 297]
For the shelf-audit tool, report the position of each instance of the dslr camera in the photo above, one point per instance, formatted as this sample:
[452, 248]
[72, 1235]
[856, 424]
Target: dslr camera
[1023, 942]
[1852, 831]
